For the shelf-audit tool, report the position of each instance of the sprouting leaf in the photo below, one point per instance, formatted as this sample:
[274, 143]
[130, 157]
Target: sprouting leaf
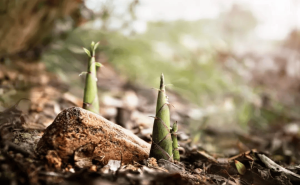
[98, 64]
[240, 167]
[92, 45]
[96, 45]
[87, 52]
[83, 73]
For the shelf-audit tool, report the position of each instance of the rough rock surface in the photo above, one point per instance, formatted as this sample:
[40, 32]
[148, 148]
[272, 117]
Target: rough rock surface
[78, 131]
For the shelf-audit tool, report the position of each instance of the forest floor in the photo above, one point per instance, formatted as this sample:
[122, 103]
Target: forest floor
[259, 157]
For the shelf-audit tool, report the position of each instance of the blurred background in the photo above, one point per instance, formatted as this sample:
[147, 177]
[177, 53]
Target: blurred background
[233, 65]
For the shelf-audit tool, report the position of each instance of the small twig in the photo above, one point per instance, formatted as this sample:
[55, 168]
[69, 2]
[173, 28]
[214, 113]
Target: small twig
[277, 168]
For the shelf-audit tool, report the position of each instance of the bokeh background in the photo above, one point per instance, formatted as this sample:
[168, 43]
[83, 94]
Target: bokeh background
[235, 62]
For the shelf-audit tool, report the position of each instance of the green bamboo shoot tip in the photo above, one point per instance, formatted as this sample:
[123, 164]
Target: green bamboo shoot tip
[161, 147]
[176, 155]
[162, 86]
[90, 98]
[175, 127]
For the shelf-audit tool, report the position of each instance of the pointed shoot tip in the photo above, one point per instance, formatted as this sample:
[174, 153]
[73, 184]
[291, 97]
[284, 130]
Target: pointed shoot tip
[162, 81]
[175, 127]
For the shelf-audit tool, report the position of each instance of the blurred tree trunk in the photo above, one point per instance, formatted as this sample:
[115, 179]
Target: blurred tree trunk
[27, 27]
[28, 24]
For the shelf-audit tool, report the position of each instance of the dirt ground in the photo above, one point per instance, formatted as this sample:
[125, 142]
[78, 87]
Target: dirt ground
[258, 158]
